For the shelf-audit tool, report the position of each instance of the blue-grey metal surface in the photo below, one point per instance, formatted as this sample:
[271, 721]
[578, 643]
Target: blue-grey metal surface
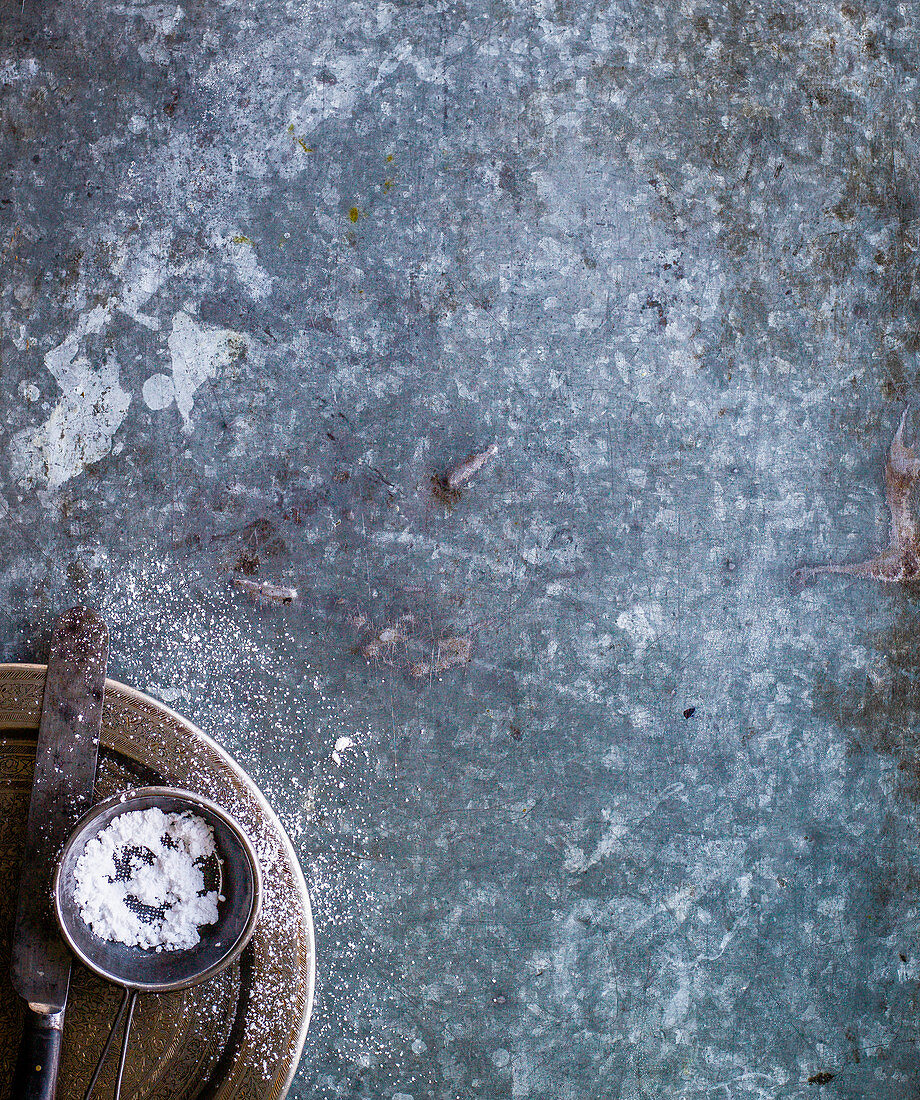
[269, 271]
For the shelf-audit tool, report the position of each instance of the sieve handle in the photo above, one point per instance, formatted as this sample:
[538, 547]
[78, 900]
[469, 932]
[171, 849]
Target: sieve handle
[128, 1002]
[39, 1056]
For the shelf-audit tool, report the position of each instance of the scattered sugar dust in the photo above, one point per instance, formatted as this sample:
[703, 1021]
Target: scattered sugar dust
[250, 675]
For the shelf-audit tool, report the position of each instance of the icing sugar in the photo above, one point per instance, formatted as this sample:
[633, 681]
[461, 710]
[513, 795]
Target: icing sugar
[139, 881]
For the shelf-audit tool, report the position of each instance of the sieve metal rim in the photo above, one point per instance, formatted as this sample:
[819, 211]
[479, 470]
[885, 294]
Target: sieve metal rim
[123, 802]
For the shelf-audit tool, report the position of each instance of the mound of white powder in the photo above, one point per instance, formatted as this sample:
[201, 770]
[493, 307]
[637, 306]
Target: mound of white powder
[139, 881]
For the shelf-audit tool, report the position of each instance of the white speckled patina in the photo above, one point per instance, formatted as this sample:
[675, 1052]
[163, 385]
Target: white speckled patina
[84, 419]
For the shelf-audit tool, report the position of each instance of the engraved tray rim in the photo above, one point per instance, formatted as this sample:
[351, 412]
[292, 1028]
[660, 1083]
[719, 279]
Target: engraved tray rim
[26, 716]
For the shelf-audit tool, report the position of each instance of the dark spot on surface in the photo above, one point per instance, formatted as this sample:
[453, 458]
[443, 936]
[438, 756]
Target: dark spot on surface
[170, 106]
[689, 712]
[442, 492]
[258, 539]
[658, 306]
[902, 956]
[326, 76]
[821, 1078]
[247, 564]
[381, 476]
[320, 324]
[507, 181]
[516, 732]
[72, 267]
[781, 21]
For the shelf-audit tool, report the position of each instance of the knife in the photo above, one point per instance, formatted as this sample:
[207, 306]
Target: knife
[62, 790]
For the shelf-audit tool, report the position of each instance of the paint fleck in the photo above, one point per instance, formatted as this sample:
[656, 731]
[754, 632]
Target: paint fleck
[198, 353]
[266, 590]
[342, 744]
[82, 424]
[158, 391]
[471, 465]
[246, 267]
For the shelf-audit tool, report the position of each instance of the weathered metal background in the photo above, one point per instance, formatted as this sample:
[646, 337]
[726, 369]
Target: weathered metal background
[269, 271]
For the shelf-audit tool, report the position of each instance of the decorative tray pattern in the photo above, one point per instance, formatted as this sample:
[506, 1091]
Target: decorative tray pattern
[238, 1035]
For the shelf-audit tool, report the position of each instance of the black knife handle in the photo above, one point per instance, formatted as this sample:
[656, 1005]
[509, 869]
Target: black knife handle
[39, 1056]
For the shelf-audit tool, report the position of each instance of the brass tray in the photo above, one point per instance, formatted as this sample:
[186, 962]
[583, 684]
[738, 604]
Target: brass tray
[239, 1034]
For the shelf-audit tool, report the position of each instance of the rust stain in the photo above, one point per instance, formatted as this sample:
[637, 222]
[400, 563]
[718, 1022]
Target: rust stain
[411, 640]
[900, 561]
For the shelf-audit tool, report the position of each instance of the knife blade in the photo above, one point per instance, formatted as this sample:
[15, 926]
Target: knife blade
[62, 790]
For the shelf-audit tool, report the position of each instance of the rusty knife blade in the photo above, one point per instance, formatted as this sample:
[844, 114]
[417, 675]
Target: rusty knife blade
[62, 791]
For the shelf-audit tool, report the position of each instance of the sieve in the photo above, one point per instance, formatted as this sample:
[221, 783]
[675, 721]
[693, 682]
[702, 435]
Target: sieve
[235, 874]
